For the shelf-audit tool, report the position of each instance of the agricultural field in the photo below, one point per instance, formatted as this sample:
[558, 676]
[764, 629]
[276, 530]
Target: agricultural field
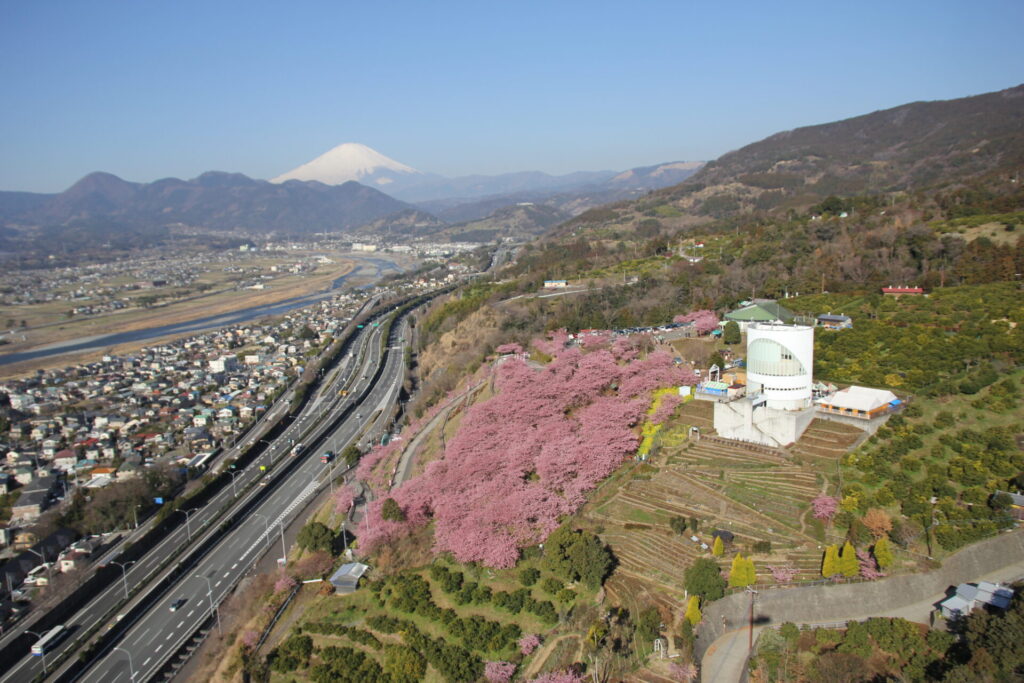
[443, 621]
[757, 493]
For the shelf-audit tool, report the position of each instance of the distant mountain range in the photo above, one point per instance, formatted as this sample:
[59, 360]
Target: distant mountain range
[353, 161]
[101, 206]
[328, 194]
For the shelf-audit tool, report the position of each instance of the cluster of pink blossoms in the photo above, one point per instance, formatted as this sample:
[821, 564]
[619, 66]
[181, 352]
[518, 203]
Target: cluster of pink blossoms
[703, 321]
[528, 456]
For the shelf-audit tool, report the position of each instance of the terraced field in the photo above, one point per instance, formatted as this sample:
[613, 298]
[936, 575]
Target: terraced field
[756, 492]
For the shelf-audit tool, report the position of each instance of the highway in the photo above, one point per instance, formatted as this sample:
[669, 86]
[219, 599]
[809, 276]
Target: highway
[160, 632]
[354, 372]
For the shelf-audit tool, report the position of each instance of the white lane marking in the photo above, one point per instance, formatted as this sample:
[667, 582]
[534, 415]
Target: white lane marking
[199, 603]
[169, 635]
[158, 648]
[143, 634]
[234, 565]
[180, 624]
[147, 661]
[191, 613]
[218, 583]
[227, 574]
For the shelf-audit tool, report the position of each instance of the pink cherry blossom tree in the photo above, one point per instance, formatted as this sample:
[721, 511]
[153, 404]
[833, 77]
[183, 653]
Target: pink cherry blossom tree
[343, 497]
[668, 405]
[703, 321]
[284, 583]
[509, 348]
[684, 672]
[783, 574]
[499, 672]
[249, 638]
[825, 508]
[868, 566]
[529, 643]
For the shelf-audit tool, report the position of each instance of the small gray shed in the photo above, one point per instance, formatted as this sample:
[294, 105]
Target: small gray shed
[346, 579]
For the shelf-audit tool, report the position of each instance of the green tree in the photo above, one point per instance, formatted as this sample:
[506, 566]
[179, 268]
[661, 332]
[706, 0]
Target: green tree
[731, 333]
[848, 563]
[693, 614]
[577, 555]
[351, 455]
[404, 664]
[306, 332]
[528, 576]
[830, 564]
[391, 511]
[737, 573]
[648, 624]
[883, 552]
[316, 536]
[703, 578]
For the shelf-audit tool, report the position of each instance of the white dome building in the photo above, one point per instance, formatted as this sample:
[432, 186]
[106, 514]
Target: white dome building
[780, 360]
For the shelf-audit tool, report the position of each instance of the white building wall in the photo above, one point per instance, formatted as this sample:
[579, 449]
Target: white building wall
[780, 360]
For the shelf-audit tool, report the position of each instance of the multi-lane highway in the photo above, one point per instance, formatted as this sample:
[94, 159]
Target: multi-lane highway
[160, 632]
[234, 553]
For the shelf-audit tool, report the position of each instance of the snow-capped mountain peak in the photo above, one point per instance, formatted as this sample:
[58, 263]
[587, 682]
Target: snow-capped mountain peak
[350, 161]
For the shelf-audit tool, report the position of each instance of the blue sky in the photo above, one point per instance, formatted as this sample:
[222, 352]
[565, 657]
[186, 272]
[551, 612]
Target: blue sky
[147, 90]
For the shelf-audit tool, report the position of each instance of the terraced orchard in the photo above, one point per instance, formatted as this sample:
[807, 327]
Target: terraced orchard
[759, 494]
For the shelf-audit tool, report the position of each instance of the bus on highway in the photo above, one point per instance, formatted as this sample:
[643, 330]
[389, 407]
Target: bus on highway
[49, 640]
[327, 457]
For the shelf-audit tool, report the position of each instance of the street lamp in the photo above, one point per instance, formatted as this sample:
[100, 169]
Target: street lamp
[188, 527]
[284, 551]
[209, 596]
[131, 667]
[124, 574]
[40, 637]
[266, 524]
[234, 493]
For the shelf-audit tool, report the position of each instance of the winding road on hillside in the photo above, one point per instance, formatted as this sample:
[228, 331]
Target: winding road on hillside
[912, 597]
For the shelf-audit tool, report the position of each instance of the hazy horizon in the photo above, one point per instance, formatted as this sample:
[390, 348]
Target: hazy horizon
[149, 91]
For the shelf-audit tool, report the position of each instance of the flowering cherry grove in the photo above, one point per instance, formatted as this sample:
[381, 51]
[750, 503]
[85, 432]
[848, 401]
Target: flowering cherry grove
[527, 456]
[703, 321]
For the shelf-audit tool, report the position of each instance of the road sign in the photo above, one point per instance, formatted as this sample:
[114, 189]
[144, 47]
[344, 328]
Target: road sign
[158, 501]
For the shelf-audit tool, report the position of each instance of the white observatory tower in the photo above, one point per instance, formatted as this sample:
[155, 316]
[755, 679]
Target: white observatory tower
[780, 360]
[778, 406]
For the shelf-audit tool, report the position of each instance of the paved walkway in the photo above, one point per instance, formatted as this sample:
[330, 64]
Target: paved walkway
[725, 659]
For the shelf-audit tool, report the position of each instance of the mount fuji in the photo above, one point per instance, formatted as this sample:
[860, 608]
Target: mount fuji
[353, 161]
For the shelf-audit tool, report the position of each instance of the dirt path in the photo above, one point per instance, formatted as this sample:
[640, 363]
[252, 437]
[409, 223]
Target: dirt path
[540, 657]
[407, 458]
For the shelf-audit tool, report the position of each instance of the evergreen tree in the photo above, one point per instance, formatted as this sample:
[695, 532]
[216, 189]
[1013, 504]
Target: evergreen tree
[848, 563]
[703, 578]
[693, 614]
[718, 548]
[731, 333]
[830, 565]
[737, 574]
[750, 571]
[883, 553]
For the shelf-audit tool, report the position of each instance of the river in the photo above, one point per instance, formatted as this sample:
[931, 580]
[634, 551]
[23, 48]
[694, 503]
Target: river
[369, 267]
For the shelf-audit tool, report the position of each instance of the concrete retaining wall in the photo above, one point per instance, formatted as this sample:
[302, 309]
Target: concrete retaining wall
[841, 602]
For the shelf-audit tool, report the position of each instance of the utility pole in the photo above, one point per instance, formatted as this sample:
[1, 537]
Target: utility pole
[750, 635]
